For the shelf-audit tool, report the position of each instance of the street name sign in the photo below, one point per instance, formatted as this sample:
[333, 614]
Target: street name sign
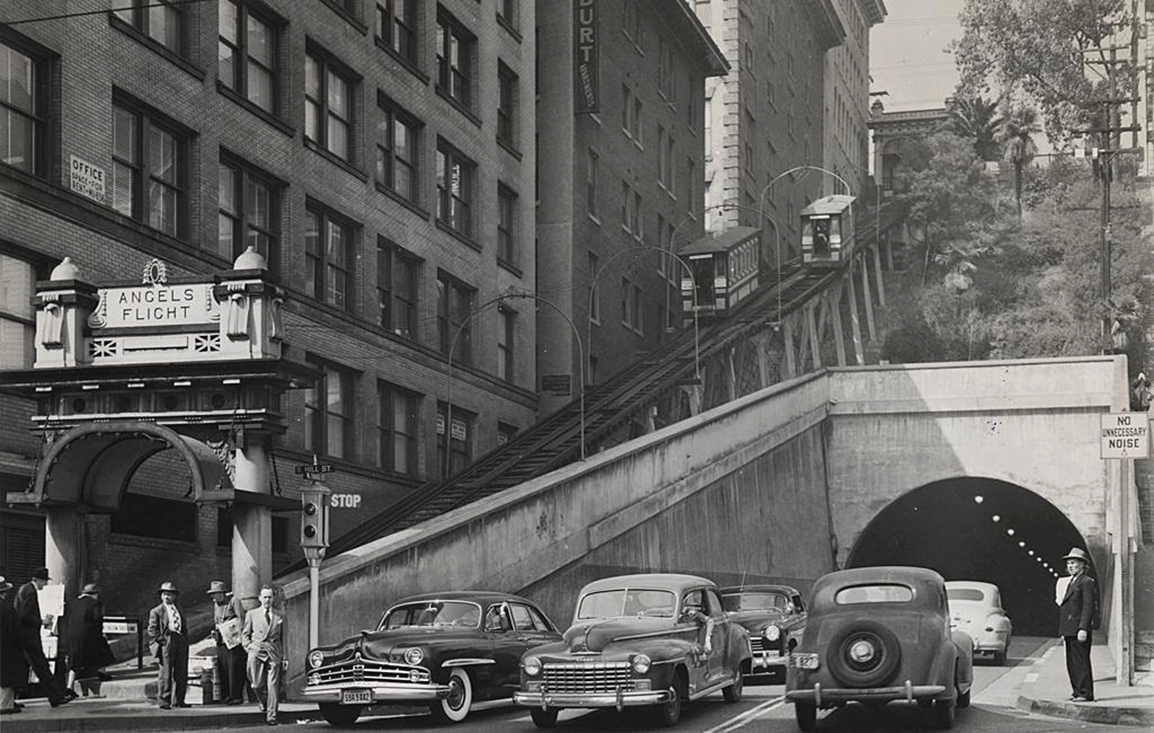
[1125, 435]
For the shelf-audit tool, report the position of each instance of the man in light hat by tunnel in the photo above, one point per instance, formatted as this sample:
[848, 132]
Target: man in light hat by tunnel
[168, 641]
[1075, 624]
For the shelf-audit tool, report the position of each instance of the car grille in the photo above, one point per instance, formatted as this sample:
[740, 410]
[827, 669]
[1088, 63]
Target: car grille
[369, 671]
[758, 644]
[588, 677]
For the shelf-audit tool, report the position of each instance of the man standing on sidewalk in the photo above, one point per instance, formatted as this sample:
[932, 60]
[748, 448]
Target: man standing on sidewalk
[28, 624]
[264, 638]
[168, 640]
[1075, 624]
[228, 616]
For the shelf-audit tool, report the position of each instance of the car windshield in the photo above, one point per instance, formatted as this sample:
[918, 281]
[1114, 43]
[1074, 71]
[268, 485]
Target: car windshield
[756, 601]
[874, 594]
[437, 614]
[965, 594]
[627, 602]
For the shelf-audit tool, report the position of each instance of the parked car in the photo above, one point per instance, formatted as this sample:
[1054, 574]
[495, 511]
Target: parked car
[976, 608]
[452, 651]
[656, 640]
[774, 616]
[879, 635]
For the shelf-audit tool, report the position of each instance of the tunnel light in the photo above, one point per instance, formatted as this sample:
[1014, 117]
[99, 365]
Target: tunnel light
[1031, 554]
[1021, 543]
[997, 517]
[1010, 531]
[979, 499]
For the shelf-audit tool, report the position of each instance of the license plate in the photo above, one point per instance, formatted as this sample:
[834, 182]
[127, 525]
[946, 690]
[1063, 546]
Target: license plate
[803, 661]
[772, 653]
[356, 697]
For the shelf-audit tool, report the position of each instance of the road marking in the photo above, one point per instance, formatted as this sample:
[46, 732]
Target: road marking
[1031, 678]
[737, 721]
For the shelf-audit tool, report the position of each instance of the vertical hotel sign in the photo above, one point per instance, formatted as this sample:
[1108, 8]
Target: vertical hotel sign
[585, 79]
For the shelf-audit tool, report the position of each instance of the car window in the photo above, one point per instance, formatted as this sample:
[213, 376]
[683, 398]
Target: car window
[522, 620]
[434, 614]
[497, 618]
[627, 602]
[965, 594]
[539, 620]
[757, 600]
[798, 605]
[713, 603]
[886, 593]
[693, 601]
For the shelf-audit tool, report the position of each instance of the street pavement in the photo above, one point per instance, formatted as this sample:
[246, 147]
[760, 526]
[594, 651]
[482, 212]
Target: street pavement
[1027, 695]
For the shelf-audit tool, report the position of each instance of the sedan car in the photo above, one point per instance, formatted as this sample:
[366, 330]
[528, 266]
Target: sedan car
[879, 635]
[774, 616]
[655, 640]
[452, 651]
[976, 608]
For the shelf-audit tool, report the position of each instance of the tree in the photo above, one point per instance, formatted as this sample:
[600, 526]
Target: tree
[976, 119]
[1018, 147]
[1037, 47]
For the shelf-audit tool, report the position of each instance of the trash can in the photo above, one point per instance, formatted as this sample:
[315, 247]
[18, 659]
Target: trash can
[206, 685]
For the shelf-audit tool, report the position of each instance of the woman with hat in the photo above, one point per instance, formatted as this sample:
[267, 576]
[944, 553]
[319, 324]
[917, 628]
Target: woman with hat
[1075, 624]
[13, 667]
[168, 641]
[228, 612]
[84, 641]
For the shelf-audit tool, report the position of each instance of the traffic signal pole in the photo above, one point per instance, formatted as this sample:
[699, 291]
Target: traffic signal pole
[315, 538]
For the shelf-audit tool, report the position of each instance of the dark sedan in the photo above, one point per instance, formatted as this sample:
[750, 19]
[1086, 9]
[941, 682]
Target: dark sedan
[774, 616]
[452, 651]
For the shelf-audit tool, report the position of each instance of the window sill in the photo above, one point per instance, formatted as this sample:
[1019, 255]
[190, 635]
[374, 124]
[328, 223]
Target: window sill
[352, 20]
[408, 64]
[509, 27]
[336, 160]
[464, 238]
[459, 107]
[411, 205]
[596, 118]
[192, 69]
[263, 114]
[508, 148]
[510, 268]
[593, 218]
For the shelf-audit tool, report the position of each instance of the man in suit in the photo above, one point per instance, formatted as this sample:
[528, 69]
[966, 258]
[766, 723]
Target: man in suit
[168, 641]
[28, 624]
[1075, 624]
[264, 637]
[13, 668]
[226, 609]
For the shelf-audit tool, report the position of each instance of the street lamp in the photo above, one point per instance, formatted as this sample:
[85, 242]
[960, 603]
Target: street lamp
[593, 291]
[449, 373]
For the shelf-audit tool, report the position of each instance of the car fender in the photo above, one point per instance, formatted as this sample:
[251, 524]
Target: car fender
[964, 669]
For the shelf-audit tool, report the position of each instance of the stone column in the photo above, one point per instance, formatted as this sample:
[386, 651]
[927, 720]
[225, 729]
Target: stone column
[63, 547]
[252, 523]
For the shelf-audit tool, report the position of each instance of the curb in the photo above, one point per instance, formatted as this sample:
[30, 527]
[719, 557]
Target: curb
[146, 722]
[1089, 713]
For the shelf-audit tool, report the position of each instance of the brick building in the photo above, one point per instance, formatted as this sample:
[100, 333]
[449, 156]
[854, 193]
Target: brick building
[378, 154]
[622, 169]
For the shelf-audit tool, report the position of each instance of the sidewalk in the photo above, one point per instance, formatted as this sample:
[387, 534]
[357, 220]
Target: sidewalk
[1046, 690]
[109, 714]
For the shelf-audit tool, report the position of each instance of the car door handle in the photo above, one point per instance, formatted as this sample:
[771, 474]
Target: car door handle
[526, 639]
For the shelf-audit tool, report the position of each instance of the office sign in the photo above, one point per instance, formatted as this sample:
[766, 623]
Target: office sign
[86, 179]
[585, 77]
[557, 384]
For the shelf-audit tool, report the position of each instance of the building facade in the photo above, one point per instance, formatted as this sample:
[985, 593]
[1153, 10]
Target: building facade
[620, 121]
[768, 114]
[379, 155]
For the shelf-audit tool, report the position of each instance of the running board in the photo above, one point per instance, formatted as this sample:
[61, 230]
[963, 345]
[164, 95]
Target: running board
[490, 704]
[712, 689]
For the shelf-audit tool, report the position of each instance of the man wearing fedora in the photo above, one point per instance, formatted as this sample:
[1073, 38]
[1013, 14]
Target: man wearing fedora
[13, 670]
[1075, 623]
[264, 638]
[28, 624]
[228, 610]
[168, 641]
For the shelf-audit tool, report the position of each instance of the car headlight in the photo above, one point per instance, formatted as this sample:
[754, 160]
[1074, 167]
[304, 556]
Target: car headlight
[316, 659]
[641, 663]
[771, 633]
[414, 656]
[532, 666]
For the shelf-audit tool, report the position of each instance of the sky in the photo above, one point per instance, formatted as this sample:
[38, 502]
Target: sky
[908, 55]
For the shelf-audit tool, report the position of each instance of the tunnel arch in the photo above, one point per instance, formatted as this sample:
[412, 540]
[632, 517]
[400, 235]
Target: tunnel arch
[944, 526]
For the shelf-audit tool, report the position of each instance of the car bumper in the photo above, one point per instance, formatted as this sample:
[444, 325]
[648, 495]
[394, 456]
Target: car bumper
[762, 663]
[823, 696]
[386, 692]
[620, 699]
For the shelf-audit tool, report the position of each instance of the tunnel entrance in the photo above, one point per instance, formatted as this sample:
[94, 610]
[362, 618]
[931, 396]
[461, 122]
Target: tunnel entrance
[979, 529]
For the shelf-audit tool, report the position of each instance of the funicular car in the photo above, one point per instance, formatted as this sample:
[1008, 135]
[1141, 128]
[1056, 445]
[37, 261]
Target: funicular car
[827, 231]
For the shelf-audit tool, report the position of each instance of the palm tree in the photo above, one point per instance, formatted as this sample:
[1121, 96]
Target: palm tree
[978, 120]
[1018, 148]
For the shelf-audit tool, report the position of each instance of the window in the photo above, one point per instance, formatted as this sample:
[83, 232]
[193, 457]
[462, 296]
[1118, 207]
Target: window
[247, 53]
[141, 515]
[664, 69]
[635, 225]
[632, 23]
[160, 20]
[506, 104]
[631, 114]
[692, 89]
[507, 12]
[691, 184]
[148, 176]
[626, 302]
[455, 49]
[662, 244]
[328, 257]
[329, 411]
[592, 170]
[455, 175]
[505, 432]
[397, 288]
[461, 432]
[454, 328]
[664, 159]
[329, 105]
[506, 328]
[398, 146]
[23, 104]
[249, 202]
[637, 309]
[506, 225]
[397, 27]
[595, 292]
[17, 314]
[631, 210]
[397, 411]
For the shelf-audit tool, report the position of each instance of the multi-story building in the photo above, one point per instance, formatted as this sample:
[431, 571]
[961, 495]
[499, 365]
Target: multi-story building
[845, 148]
[379, 155]
[620, 123]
